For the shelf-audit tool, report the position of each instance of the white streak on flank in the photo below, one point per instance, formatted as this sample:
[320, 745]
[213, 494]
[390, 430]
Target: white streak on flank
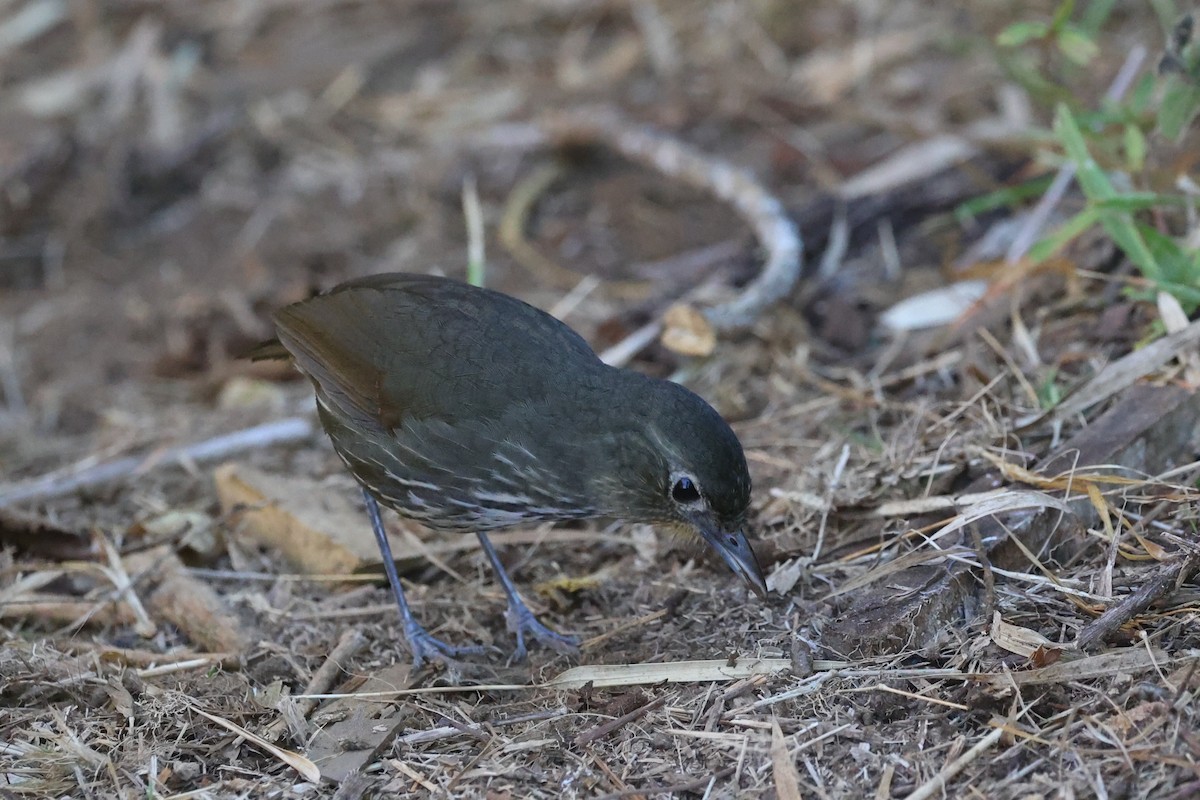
[502, 497]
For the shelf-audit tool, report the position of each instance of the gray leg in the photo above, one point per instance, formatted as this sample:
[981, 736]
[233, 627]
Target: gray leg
[422, 644]
[520, 619]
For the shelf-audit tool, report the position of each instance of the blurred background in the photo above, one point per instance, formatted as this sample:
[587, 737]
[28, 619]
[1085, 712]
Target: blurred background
[171, 171]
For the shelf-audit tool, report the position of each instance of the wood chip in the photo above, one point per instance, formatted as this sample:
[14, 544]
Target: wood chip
[1015, 639]
[364, 727]
[188, 603]
[317, 530]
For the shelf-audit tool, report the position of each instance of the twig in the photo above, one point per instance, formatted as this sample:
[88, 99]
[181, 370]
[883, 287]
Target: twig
[416, 776]
[838, 471]
[178, 666]
[836, 246]
[936, 785]
[124, 591]
[620, 353]
[1166, 579]
[600, 731]
[622, 628]
[569, 301]
[62, 483]
[350, 643]
[142, 660]
[762, 211]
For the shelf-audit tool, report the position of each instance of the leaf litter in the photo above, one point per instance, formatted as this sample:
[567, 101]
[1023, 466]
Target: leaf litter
[973, 591]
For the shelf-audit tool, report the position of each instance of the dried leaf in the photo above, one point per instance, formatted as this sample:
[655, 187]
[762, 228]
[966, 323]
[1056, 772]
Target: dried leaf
[1015, 639]
[686, 331]
[307, 769]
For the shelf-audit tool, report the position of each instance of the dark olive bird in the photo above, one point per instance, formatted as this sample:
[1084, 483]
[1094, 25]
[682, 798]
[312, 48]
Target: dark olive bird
[471, 411]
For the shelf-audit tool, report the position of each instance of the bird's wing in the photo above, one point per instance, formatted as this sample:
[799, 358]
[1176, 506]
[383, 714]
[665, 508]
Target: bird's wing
[390, 347]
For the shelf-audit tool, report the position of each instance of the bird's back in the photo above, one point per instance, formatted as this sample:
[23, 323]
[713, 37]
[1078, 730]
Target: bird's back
[420, 346]
[440, 396]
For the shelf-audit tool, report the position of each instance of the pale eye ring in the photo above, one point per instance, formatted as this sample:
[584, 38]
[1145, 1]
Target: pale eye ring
[685, 491]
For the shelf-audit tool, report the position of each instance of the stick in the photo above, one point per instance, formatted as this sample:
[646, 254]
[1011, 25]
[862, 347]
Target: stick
[937, 784]
[59, 484]
[600, 731]
[759, 208]
[1165, 580]
[350, 643]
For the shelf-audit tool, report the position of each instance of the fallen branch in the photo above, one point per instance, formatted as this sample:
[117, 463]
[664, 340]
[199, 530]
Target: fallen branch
[60, 484]
[758, 207]
[1166, 579]
[604, 729]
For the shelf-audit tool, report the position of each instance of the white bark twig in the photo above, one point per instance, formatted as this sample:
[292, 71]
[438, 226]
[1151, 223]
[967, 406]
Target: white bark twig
[758, 207]
[58, 484]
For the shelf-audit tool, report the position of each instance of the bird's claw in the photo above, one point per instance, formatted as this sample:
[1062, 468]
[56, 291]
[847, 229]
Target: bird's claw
[521, 621]
[426, 647]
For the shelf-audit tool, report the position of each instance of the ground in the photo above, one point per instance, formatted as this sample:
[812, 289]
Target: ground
[174, 171]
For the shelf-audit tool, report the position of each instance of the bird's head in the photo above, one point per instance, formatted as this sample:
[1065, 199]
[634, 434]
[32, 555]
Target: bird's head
[681, 466]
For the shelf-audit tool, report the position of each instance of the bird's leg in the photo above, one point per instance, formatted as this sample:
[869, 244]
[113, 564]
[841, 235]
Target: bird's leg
[520, 619]
[420, 641]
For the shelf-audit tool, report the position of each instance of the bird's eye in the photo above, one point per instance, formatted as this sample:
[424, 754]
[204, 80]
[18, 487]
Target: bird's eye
[685, 491]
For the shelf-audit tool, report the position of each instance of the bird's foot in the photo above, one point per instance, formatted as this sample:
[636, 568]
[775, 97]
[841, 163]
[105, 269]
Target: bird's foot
[426, 647]
[522, 622]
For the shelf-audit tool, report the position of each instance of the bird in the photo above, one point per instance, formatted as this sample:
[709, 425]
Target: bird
[468, 410]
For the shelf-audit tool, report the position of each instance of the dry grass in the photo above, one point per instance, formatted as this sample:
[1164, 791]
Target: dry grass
[195, 164]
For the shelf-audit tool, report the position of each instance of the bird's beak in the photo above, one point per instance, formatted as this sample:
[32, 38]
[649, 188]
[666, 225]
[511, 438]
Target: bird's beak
[735, 550]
